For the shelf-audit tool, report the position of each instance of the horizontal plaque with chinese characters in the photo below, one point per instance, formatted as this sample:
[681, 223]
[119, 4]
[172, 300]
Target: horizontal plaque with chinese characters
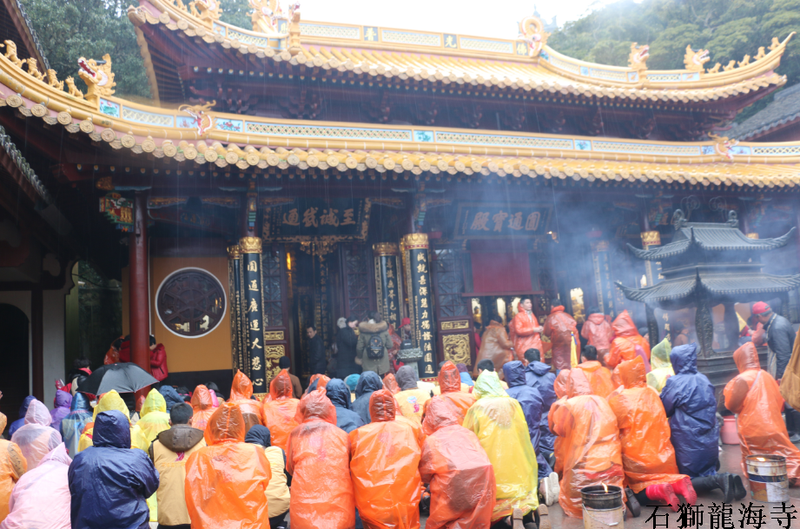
[305, 218]
[477, 220]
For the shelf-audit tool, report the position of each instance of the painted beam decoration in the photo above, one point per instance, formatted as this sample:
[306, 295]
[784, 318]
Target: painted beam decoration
[253, 309]
[416, 261]
[501, 220]
[239, 351]
[387, 282]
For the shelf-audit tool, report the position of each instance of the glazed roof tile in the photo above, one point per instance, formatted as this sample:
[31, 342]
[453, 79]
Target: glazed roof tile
[711, 237]
[716, 283]
[784, 109]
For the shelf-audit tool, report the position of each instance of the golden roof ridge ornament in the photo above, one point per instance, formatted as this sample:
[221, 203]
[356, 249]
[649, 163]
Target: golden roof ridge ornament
[637, 60]
[267, 16]
[98, 77]
[207, 11]
[531, 31]
[203, 120]
[294, 46]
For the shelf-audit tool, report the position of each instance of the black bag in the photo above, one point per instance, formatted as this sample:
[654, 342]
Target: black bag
[375, 348]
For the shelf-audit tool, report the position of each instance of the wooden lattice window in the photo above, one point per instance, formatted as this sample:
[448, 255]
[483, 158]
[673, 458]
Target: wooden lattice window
[357, 275]
[449, 281]
[190, 302]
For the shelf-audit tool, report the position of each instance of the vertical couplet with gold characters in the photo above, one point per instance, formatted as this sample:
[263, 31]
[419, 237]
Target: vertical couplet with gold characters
[253, 309]
[387, 282]
[416, 262]
[239, 352]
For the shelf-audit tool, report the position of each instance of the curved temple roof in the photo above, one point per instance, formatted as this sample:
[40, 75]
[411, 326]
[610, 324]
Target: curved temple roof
[712, 237]
[524, 64]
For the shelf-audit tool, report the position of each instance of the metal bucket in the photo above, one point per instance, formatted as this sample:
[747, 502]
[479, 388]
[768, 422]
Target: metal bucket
[601, 509]
[768, 480]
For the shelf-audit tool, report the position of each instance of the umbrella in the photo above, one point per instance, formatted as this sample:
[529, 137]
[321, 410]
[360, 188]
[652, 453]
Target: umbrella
[125, 378]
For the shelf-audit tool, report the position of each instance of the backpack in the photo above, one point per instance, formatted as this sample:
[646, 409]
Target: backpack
[375, 347]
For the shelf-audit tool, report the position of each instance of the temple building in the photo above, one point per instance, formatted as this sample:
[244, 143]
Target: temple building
[298, 172]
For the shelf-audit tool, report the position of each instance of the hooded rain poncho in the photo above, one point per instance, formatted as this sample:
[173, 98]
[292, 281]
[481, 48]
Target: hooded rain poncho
[691, 406]
[63, 401]
[497, 347]
[12, 467]
[108, 402]
[73, 424]
[23, 410]
[226, 481]
[662, 368]
[411, 399]
[369, 383]
[41, 498]
[241, 391]
[625, 328]
[390, 383]
[561, 328]
[384, 465]
[450, 390]
[647, 454]
[346, 418]
[588, 442]
[599, 378]
[319, 462]
[598, 332]
[280, 411]
[621, 350]
[755, 398]
[532, 403]
[460, 474]
[36, 438]
[539, 377]
[109, 482]
[202, 406]
[171, 396]
[500, 425]
[154, 417]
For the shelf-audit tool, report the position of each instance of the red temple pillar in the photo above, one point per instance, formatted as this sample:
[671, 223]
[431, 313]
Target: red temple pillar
[138, 286]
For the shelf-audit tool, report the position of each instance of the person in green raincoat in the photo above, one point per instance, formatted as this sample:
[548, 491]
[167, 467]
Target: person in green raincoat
[499, 423]
[661, 366]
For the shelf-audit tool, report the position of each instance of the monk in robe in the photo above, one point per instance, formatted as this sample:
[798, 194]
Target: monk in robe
[561, 328]
[525, 331]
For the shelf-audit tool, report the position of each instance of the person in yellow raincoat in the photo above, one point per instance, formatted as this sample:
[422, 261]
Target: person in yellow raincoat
[154, 416]
[755, 398]
[226, 481]
[12, 467]
[241, 391]
[662, 368]
[112, 401]
[589, 442]
[648, 457]
[410, 398]
[499, 423]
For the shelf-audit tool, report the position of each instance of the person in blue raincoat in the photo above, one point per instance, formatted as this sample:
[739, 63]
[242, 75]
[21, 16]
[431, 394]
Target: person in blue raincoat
[80, 414]
[171, 396]
[339, 394]
[23, 409]
[109, 482]
[367, 385]
[539, 376]
[691, 407]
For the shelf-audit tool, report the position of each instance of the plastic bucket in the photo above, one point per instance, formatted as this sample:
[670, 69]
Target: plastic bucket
[601, 509]
[768, 480]
[729, 431]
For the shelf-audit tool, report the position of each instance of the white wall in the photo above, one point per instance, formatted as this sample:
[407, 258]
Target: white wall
[22, 300]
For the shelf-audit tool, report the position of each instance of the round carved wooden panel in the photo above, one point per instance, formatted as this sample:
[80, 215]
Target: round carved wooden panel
[190, 302]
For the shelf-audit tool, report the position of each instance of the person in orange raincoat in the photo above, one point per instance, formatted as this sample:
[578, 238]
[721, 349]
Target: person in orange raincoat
[460, 474]
[450, 390]
[202, 406]
[241, 391]
[560, 389]
[621, 350]
[280, 410]
[648, 457]
[317, 381]
[495, 346]
[384, 465]
[390, 383]
[599, 377]
[525, 331]
[590, 446]
[319, 461]
[226, 481]
[12, 467]
[625, 328]
[755, 398]
[598, 332]
[560, 327]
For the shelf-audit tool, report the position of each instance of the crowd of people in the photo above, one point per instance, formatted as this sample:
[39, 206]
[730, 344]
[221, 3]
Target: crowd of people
[374, 449]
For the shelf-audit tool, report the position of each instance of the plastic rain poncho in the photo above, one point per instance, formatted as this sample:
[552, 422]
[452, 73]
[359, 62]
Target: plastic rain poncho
[109, 482]
[280, 411]
[41, 498]
[598, 332]
[450, 390]
[108, 402]
[154, 416]
[625, 328]
[691, 406]
[499, 423]
[539, 377]
[226, 481]
[460, 474]
[23, 410]
[647, 454]
[62, 401]
[411, 399]
[319, 461]
[532, 403]
[346, 418]
[662, 368]
[755, 398]
[561, 328]
[241, 391]
[621, 350]
[369, 383]
[12, 467]
[171, 396]
[599, 378]
[384, 465]
[588, 442]
[497, 347]
[390, 383]
[202, 406]
[36, 438]
[73, 424]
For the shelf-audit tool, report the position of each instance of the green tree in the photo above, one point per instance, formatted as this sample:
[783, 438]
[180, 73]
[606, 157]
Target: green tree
[237, 13]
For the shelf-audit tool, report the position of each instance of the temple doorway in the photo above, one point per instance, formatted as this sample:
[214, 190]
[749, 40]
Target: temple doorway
[14, 357]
